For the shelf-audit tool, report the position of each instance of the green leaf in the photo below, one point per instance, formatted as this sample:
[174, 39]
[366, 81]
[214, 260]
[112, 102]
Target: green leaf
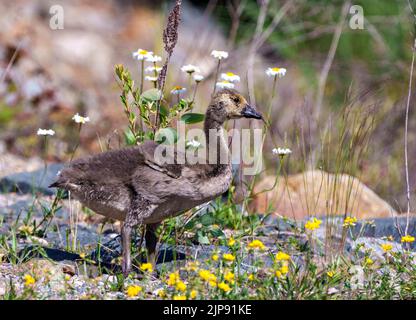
[192, 117]
[217, 233]
[132, 117]
[163, 111]
[207, 220]
[130, 138]
[119, 69]
[151, 95]
[203, 239]
[166, 135]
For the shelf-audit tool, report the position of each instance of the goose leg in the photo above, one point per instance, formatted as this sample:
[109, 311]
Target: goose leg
[151, 242]
[126, 247]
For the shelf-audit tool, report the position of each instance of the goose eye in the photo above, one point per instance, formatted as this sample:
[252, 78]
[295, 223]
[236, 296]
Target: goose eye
[236, 99]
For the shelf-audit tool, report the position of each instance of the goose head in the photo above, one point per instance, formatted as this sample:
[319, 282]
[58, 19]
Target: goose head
[229, 104]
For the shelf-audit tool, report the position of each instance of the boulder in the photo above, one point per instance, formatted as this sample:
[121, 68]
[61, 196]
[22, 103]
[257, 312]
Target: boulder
[318, 193]
[31, 182]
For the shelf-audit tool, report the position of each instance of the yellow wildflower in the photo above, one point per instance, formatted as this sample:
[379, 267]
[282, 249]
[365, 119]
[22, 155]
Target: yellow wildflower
[256, 244]
[133, 291]
[173, 278]
[146, 267]
[193, 294]
[313, 224]
[407, 239]
[82, 255]
[207, 275]
[179, 297]
[229, 276]
[161, 293]
[26, 229]
[29, 280]
[349, 221]
[387, 247]
[192, 266]
[224, 287]
[213, 283]
[250, 277]
[281, 256]
[330, 273]
[369, 261]
[228, 257]
[231, 242]
[214, 257]
[180, 286]
[284, 269]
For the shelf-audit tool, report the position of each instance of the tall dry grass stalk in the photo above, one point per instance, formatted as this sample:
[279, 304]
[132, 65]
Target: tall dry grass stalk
[406, 130]
[343, 146]
[170, 39]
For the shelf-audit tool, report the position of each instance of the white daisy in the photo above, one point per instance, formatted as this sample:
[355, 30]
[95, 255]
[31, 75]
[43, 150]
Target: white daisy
[152, 79]
[152, 69]
[189, 68]
[193, 144]
[141, 54]
[198, 77]
[45, 132]
[80, 119]
[272, 72]
[153, 58]
[224, 85]
[282, 151]
[219, 54]
[178, 90]
[229, 76]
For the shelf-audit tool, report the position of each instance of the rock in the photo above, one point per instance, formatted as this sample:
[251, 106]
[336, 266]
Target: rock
[374, 245]
[111, 250]
[385, 227]
[46, 272]
[11, 164]
[31, 182]
[53, 254]
[313, 194]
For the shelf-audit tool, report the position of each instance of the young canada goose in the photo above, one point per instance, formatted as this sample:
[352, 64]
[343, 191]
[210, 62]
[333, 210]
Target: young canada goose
[132, 185]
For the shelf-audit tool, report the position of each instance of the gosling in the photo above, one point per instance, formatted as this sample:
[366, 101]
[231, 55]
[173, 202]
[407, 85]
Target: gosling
[134, 186]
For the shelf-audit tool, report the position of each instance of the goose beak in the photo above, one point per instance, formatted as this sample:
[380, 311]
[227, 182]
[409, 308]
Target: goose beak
[250, 112]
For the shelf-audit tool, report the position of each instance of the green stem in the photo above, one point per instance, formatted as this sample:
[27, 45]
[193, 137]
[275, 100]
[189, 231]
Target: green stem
[77, 145]
[155, 73]
[190, 80]
[216, 76]
[194, 95]
[142, 77]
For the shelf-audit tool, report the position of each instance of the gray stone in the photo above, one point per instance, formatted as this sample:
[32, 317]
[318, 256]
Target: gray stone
[31, 182]
[385, 227]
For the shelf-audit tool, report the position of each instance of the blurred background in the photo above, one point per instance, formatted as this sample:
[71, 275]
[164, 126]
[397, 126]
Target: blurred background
[46, 75]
